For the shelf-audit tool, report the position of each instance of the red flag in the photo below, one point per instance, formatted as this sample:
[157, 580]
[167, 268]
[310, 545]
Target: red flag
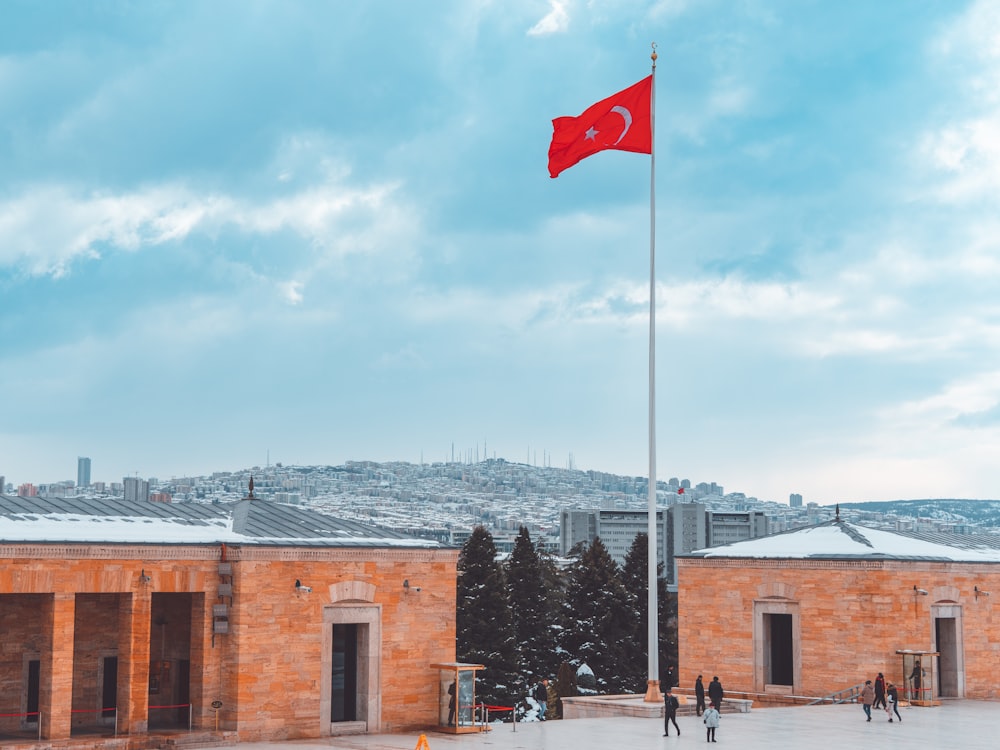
[621, 122]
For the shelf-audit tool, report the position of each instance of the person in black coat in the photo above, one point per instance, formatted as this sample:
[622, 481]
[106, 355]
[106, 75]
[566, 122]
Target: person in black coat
[451, 704]
[893, 701]
[715, 692]
[541, 697]
[879, 692]
[670, 706]
[699, 696]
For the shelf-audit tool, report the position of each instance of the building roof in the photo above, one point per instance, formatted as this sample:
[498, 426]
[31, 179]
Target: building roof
[838, 540]
[248, 521]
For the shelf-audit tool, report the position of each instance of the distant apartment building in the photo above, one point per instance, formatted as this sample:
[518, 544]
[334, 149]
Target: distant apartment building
[160, 497]
[727, 528]
[686, 532]
[136, 490]
[27, 490]
[57, 489]
[681, 528]
[82, 472]
[795, 500]
[616, 528]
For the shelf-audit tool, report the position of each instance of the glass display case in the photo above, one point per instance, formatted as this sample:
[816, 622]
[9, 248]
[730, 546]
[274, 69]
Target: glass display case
[457, 712]
[918, 683]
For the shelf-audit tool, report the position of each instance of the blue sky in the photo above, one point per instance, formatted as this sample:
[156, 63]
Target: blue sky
[324, 231]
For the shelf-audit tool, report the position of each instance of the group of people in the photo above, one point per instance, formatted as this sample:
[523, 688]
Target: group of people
[710, 713]
[880, 695]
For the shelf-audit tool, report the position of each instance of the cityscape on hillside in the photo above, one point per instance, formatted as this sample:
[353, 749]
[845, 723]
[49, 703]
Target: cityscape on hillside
[446, 500]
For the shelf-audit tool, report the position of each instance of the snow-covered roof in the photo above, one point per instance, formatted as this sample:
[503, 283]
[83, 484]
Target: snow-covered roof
[254, 522]
[839, 539]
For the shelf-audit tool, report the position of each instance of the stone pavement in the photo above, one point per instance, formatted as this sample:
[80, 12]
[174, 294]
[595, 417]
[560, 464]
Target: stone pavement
[969, 725]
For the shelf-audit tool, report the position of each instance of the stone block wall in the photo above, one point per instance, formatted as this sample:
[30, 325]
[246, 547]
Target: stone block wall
[852, 618]
[72, 605]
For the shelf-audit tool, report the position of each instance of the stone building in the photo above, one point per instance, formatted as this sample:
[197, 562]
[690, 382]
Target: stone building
[816, 610]
[260, 620]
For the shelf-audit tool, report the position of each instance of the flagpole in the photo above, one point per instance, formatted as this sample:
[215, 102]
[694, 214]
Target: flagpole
[653, 694]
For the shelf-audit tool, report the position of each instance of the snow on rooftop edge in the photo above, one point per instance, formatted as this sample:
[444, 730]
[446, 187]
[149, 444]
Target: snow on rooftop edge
[84, 528]
[840, 539]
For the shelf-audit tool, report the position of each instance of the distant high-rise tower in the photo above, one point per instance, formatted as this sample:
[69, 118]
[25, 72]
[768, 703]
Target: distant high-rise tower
[136, 490]
[82, 472]
[795, 500]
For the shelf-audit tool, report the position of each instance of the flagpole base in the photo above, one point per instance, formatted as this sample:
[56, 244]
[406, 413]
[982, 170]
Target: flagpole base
[653, 694]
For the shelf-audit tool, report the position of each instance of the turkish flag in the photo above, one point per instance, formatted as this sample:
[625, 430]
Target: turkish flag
[622, 122]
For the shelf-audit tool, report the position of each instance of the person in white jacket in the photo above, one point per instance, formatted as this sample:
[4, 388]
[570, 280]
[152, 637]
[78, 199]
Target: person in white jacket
[711, 720]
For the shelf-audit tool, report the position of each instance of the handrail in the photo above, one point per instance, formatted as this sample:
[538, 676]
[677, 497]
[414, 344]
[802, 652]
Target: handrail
[847, 695]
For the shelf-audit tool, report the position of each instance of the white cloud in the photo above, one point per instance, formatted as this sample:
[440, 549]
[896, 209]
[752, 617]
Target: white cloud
[47, 227]
[969, 395]
[555, 21]
[292, 292]
[966, 146]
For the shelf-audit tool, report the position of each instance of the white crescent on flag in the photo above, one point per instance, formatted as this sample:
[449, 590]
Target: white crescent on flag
[627, 116]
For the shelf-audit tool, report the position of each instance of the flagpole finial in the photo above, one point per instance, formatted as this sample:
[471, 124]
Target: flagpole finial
[654, 55]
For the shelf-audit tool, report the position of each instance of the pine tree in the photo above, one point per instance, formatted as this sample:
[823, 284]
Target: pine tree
[485, 634]
[565, 686]
[595, 618]
[635, 579]
[534, 607]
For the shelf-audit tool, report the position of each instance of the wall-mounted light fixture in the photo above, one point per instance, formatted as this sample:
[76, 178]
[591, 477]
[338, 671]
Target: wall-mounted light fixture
[407, 588]
[300, 589]
[143, 578]
[919, 592]
[979, 592]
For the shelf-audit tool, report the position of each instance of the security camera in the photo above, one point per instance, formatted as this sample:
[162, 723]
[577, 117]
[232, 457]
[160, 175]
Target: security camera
[307, 589]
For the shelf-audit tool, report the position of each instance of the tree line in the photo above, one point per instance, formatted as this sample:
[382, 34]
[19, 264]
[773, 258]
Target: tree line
[526, 619]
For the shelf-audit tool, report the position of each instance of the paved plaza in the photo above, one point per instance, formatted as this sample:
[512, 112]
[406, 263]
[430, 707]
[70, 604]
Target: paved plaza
[969, 725]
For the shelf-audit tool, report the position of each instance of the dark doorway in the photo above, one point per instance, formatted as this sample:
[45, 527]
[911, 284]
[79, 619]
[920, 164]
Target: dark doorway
[344, 694]
[34, 682]
[109, 690]
[183, 696]
[778, 649]
[946, 635]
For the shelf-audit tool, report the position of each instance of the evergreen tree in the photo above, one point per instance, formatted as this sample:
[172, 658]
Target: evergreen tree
[595, 618]
[485, 634]
[565, 686]
[533, 610]
[635, 578]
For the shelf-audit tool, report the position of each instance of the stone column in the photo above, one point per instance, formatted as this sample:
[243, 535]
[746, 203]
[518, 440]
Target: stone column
[55, 700]
[133, 661]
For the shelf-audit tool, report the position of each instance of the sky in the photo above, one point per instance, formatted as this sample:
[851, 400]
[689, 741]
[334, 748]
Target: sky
[319, 232]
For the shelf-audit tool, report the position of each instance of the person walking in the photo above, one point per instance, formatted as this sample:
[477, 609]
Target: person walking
[451, 704]
[670, 706]
[711, 721]
[699, 696]
[867, 698]
[715, 692]
[893, 701]
[541, 696]
[880, 692]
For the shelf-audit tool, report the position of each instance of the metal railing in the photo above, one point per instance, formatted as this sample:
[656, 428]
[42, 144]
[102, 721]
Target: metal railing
[847, 695]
